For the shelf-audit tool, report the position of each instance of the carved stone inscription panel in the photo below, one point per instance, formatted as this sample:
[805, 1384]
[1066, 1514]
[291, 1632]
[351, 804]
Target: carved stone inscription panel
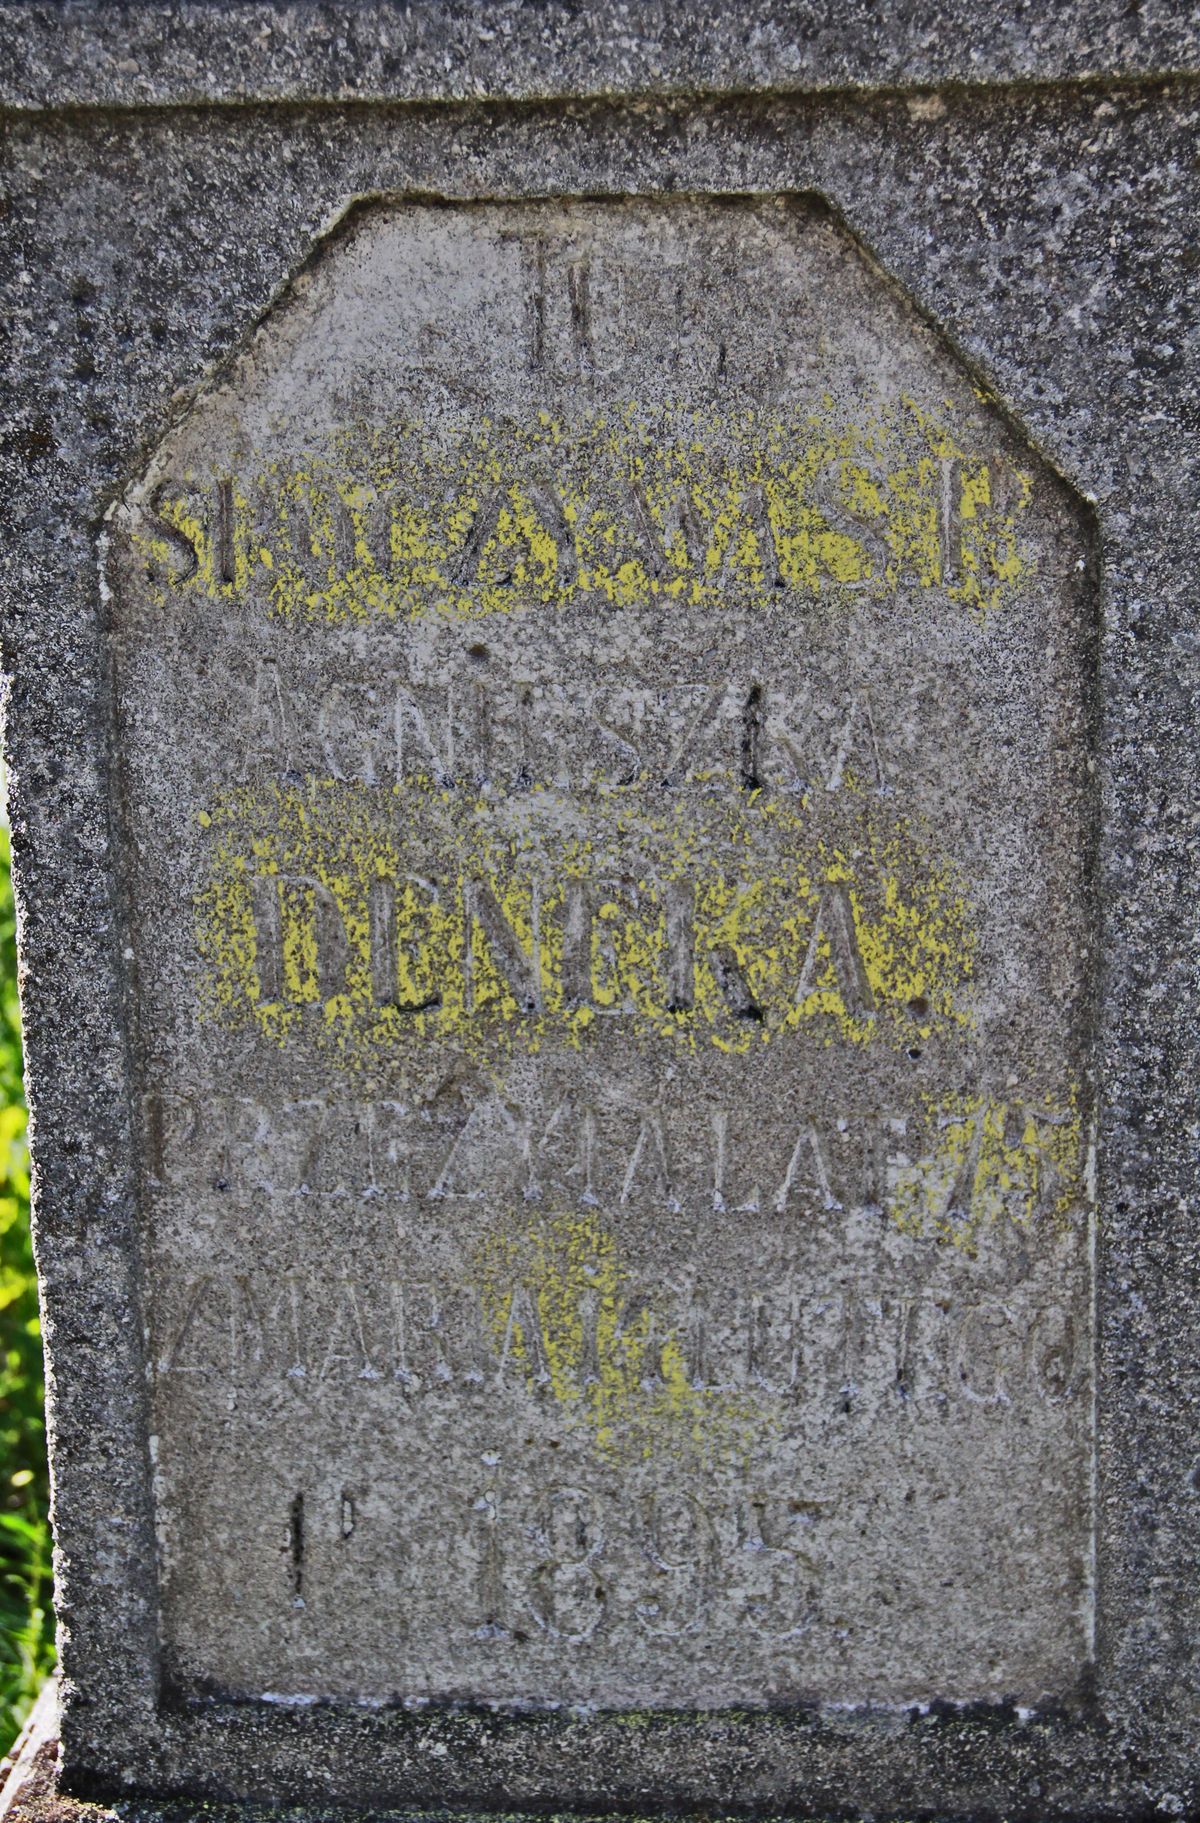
[603, 739]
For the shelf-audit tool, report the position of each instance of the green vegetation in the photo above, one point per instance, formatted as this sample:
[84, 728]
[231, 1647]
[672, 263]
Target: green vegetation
[26, 1617]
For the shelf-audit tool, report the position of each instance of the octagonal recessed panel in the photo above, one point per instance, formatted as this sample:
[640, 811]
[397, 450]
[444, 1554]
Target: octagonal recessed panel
[602, 727]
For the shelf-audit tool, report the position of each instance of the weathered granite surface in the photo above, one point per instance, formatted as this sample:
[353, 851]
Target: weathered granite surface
[123, 54]
[1040, 219]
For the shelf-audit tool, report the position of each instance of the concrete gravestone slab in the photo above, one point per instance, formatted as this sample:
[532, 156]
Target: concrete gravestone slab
[603, 706]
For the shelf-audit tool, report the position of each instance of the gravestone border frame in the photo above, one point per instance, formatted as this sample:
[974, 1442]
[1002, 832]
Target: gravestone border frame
[183, 1716]
[75, 987]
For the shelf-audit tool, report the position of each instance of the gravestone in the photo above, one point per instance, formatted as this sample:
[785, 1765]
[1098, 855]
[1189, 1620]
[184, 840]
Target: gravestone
[606, 771]
[601, 1144]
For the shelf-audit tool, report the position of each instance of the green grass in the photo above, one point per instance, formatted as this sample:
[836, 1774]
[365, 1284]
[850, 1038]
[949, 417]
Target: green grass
[26, 1616]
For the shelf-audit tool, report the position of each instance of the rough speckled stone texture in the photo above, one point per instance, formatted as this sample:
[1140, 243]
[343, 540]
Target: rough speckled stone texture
[136, 54]
[1048, 233]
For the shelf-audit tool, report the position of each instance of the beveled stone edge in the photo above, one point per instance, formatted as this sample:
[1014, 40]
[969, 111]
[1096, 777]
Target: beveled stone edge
[151, 53]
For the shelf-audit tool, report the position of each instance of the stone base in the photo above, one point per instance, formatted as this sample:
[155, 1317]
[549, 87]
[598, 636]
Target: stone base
[29, 1793]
